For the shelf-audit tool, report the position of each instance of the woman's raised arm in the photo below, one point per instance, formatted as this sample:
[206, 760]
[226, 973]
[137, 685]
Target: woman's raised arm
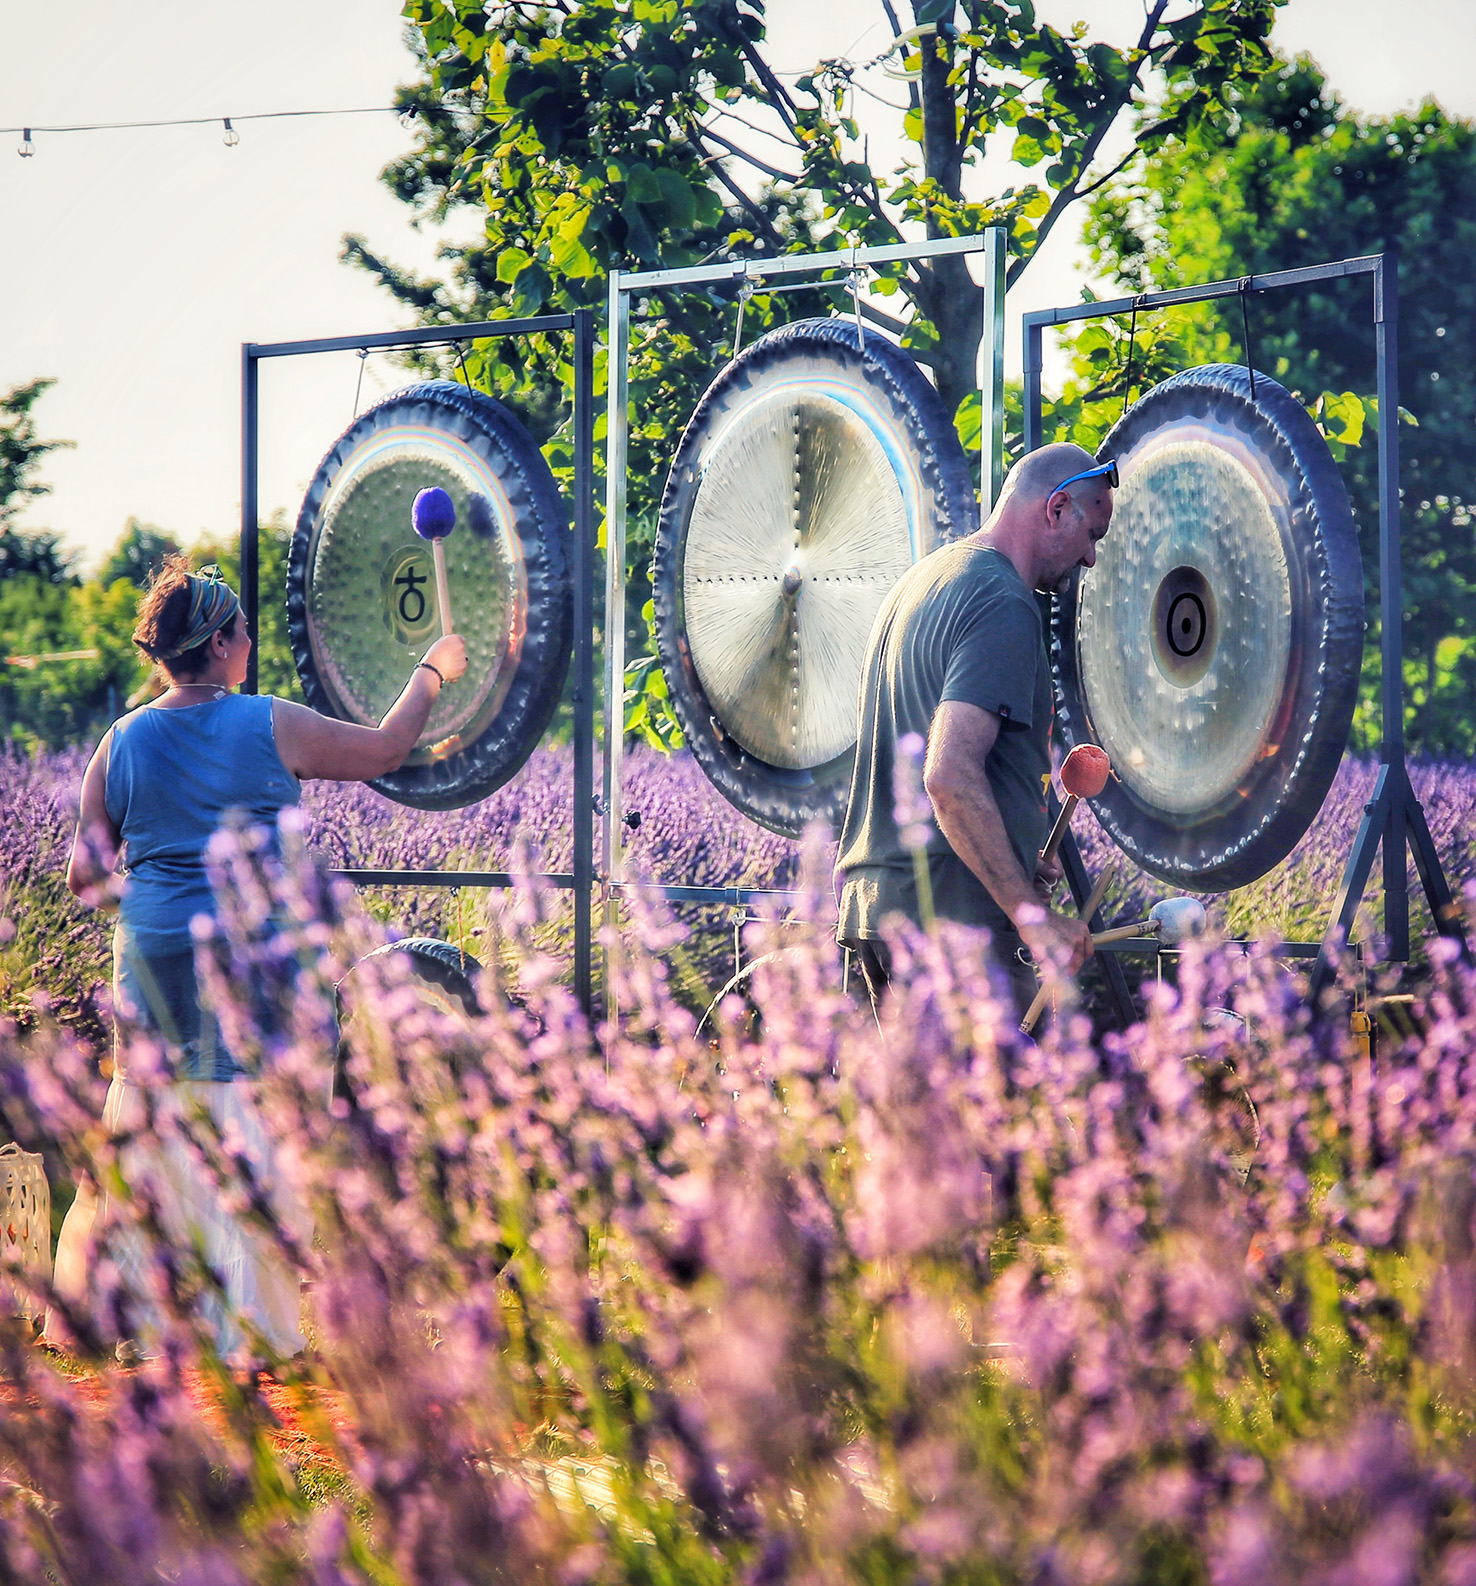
[314, 746]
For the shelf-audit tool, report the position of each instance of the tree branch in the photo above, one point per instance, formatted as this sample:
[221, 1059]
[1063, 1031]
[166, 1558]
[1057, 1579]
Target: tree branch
[886, 5]
[743, 154]
[1071, 192]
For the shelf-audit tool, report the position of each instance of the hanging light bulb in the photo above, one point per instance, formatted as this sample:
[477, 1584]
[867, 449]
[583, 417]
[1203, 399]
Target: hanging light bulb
[230, 137]
[27, 147]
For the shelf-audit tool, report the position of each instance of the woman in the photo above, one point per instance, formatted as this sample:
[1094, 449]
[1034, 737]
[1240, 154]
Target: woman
[155, 791]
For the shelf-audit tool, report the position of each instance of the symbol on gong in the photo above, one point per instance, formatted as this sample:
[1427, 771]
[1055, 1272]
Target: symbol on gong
[409, 607]
[408, 581]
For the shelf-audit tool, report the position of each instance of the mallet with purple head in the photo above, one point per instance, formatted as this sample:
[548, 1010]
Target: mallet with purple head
[433, 516]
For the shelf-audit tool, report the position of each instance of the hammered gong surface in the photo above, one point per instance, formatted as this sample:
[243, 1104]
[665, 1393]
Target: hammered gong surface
[798, 531]
[812, 475]
[1214, 650]
[362, 598]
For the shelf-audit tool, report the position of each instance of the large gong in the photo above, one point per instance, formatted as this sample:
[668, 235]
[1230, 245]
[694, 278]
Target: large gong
[1214, 650]
[812, 475]
[361, 593]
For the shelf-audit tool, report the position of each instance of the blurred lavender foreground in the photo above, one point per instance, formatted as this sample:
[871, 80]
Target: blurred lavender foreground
[816, 1301]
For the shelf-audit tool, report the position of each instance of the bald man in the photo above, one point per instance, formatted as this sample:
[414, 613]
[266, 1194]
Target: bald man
[957, 656]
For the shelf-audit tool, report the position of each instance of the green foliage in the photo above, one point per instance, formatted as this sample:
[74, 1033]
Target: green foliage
[53, 703]
[1295, 178]
[138, 555]
[21, 450]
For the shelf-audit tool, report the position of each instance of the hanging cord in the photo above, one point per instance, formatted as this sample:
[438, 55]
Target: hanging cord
[1127, 379]
[460, 358]
[359, 383]
[853, 281]
[745, 291]
[1245, 339]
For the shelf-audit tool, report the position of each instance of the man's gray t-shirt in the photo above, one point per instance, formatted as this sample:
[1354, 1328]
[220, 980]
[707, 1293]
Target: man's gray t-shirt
[959, 625]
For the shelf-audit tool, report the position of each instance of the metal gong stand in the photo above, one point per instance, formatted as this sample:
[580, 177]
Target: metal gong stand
[745, 272]
[1393, 818]
[582, 554]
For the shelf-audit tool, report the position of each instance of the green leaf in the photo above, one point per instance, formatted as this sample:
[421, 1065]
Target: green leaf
[641, 185]
[676, 194]
[530, 289]
[509, 262]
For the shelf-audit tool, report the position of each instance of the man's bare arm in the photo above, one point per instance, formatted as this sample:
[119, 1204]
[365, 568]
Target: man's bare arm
[968, 816]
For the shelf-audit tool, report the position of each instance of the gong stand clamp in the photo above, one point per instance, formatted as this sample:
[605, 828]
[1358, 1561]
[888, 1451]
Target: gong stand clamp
[765, 274]
[1393, 818]
[581, 326]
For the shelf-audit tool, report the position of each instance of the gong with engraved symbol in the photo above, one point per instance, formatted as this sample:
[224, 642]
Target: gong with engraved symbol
[361, 595]
[818, 467]
[1214, 650]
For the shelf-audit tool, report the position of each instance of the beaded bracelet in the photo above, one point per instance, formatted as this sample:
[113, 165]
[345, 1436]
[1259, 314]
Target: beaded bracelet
[430, 666]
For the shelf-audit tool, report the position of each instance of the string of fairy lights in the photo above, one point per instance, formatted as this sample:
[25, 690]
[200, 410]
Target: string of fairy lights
[27, 148]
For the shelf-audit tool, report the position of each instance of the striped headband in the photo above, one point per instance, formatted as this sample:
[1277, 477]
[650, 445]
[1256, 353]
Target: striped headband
[212, 604]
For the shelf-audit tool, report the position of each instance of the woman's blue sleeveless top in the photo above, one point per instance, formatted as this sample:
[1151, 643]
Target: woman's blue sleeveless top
[172, 776]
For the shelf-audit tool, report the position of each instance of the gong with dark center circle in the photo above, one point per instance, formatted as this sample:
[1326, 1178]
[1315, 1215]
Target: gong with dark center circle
[814, 472]
[1214, 649]
[361, 595]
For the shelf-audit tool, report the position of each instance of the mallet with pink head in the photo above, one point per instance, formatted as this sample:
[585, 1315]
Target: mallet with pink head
[1084, 774]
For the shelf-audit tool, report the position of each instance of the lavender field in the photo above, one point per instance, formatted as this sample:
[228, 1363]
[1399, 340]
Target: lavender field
[49, 947]
[808, 1300]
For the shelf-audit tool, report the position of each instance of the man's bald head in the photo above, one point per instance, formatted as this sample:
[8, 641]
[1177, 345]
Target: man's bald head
[1048, 532]
[1037, 474]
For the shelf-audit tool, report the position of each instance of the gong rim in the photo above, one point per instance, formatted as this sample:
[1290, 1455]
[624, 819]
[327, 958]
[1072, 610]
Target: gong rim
[539, 615]
[1301, 699]
[822, 365]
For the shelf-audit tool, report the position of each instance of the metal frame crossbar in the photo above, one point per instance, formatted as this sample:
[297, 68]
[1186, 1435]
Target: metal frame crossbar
[1393, 817]
[625, 286]
[582, 558]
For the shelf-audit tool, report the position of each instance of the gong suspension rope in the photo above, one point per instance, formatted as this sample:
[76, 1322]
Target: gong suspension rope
[754, 285]
[1127, 376]
[1245, 339]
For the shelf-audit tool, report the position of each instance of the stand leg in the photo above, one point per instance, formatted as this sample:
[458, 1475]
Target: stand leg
[1396, 874]
[1112, 971]
[1449, 920]
[1371, 830]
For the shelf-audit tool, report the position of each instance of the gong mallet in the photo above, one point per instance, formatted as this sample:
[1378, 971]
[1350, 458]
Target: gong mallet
[1084, 774]
[1173, 921]
[433, 516]
[1088, 909]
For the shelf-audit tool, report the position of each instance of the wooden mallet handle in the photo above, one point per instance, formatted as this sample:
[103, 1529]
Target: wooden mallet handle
[1089, 908]
[443, 589]
[1058, 831]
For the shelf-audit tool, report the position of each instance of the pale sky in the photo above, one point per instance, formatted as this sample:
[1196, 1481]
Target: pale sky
[133, 264]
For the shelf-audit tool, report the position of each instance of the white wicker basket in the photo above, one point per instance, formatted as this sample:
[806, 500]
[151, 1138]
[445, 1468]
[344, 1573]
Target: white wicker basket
[25, 1222]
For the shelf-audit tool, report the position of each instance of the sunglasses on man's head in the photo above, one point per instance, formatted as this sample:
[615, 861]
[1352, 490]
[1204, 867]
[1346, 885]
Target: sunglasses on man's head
[1107, 471]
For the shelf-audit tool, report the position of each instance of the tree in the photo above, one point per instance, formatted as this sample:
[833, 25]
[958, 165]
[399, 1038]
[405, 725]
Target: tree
[595, 134]
[1293, 177]
[21, 450]
[138, 555]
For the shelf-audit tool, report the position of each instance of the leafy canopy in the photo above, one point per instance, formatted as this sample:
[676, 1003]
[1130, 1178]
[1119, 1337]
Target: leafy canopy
[590, 135]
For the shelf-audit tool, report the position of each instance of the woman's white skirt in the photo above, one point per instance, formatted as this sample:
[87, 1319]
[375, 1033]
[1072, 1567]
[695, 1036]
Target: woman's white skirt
[260, 1287]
